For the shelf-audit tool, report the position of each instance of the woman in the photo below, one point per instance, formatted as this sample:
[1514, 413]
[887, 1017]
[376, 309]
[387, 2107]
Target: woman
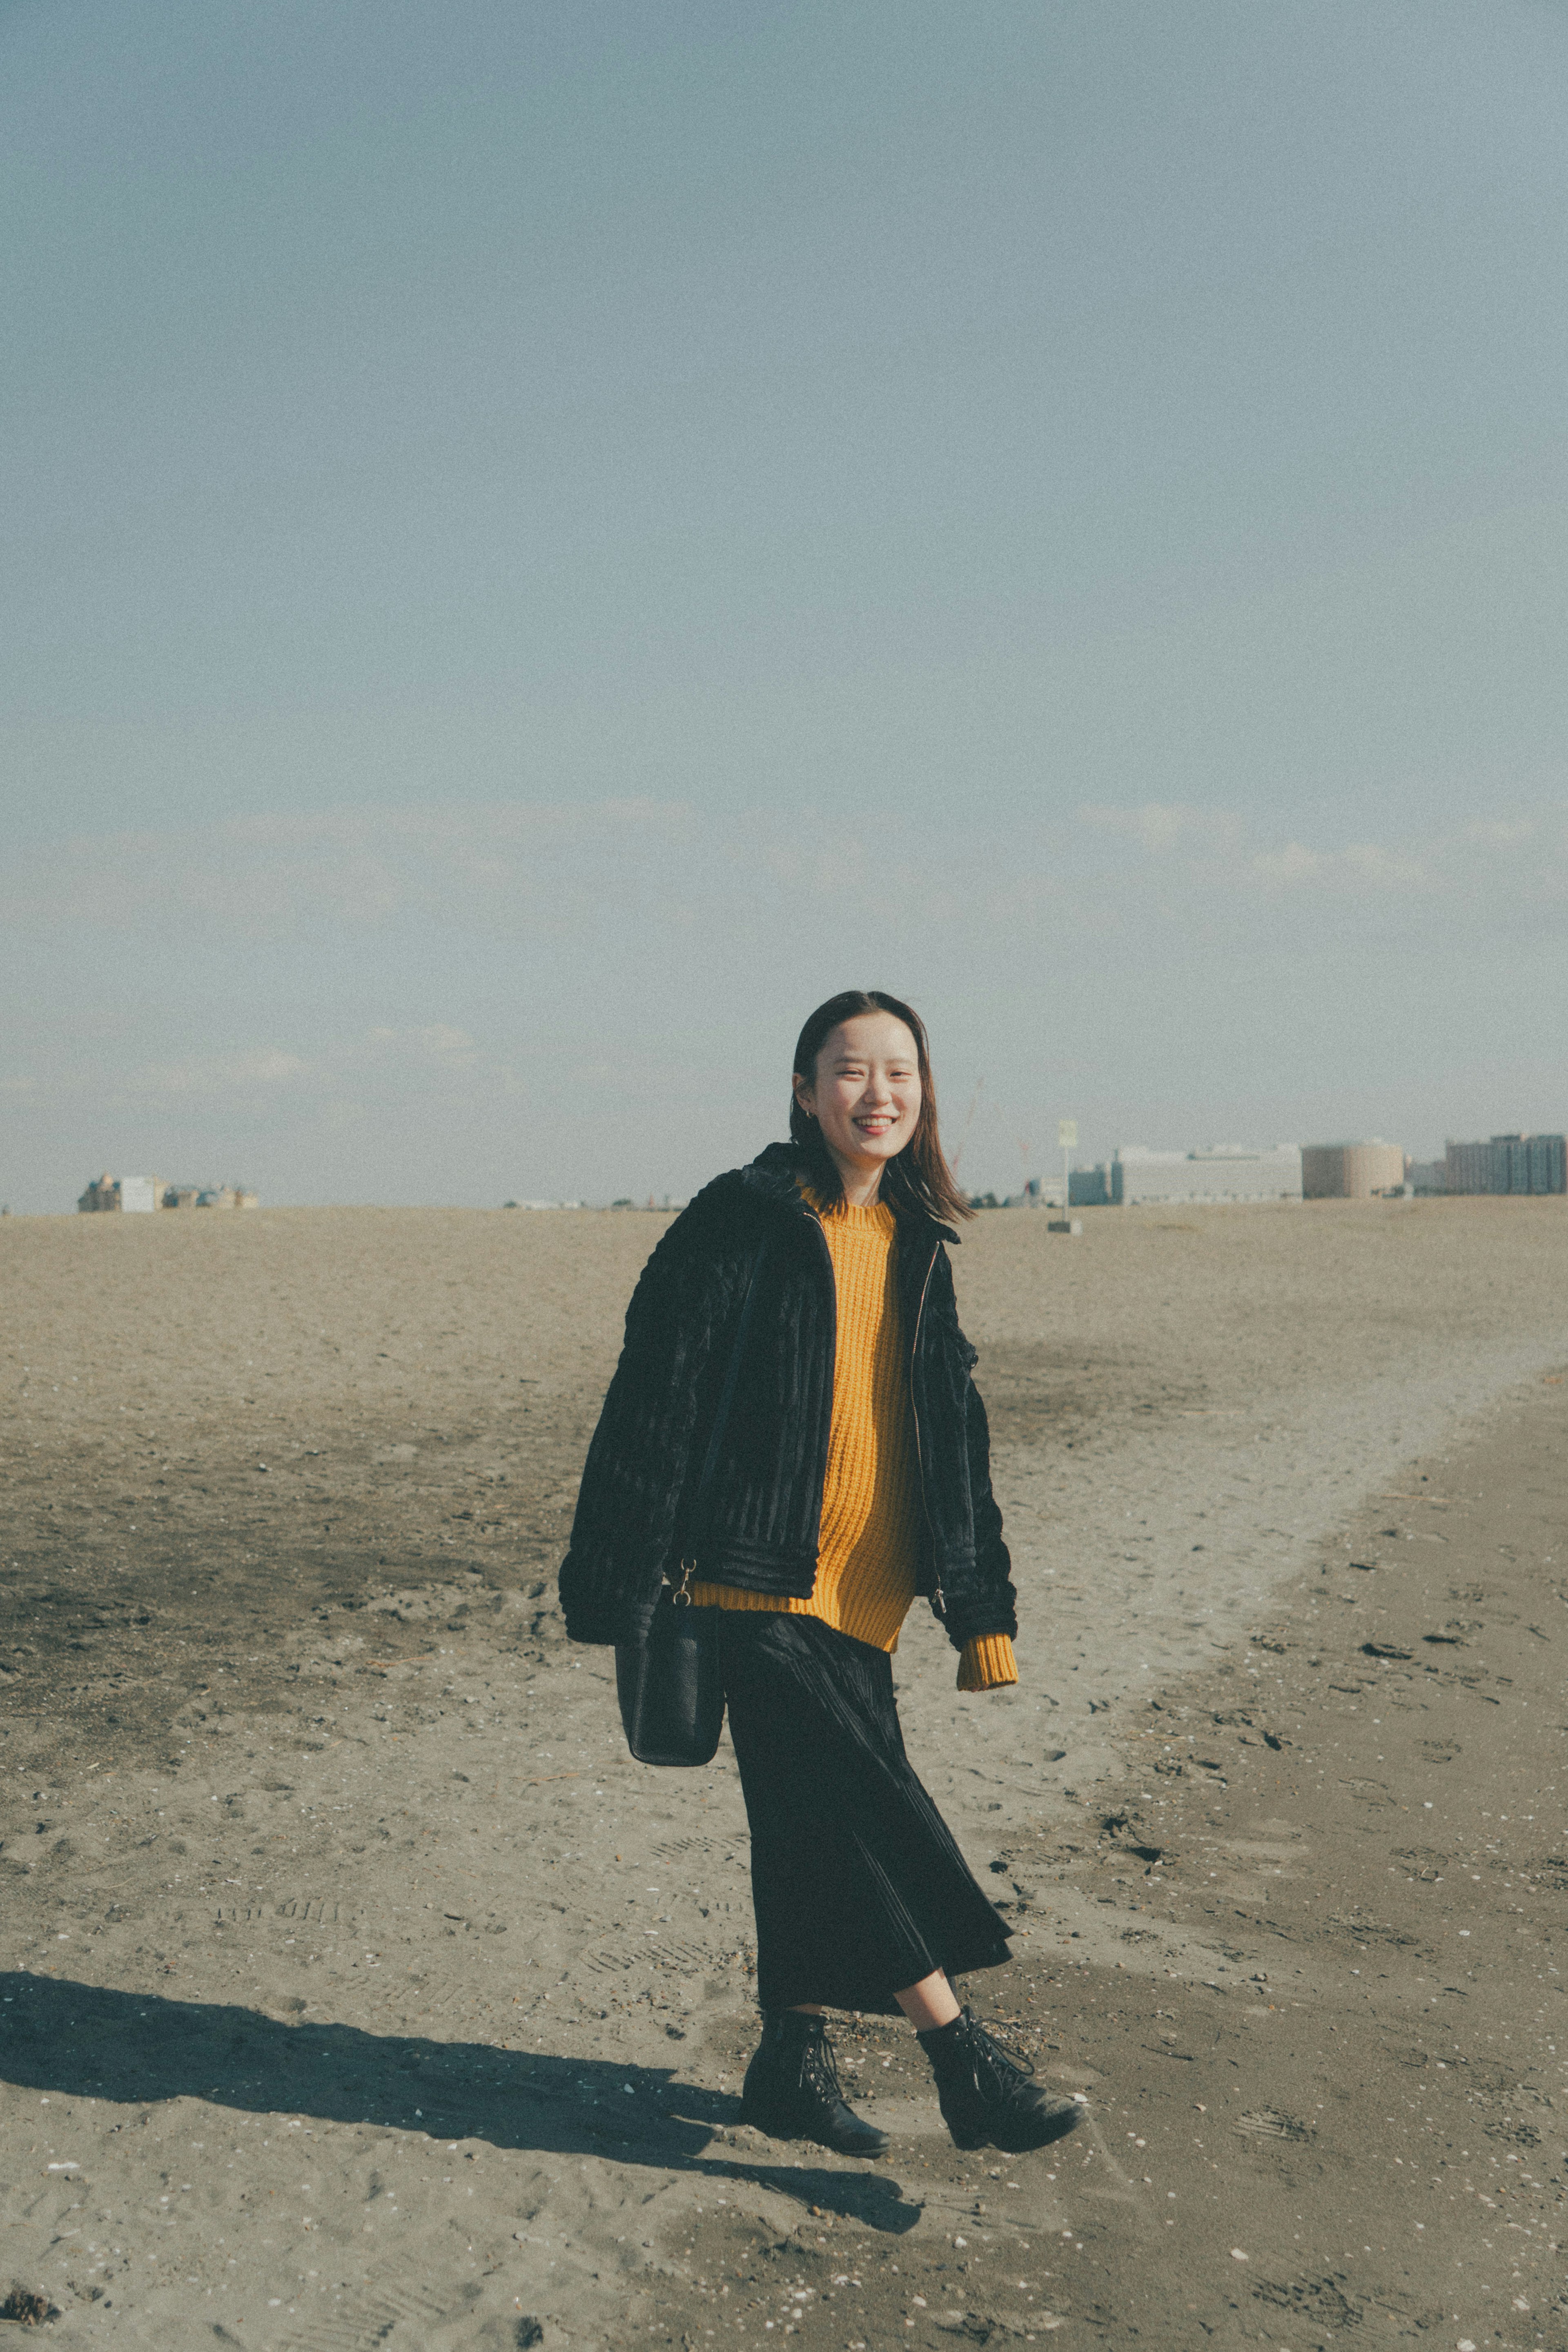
[851, 1473]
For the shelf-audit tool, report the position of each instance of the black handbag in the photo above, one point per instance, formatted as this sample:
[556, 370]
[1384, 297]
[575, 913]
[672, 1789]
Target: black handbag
[670, 1687]
[671, 1692]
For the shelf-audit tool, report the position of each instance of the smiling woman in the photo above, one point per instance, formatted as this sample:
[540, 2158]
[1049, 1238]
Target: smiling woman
[864, 1107]
[865, 1096]
[793, 1441]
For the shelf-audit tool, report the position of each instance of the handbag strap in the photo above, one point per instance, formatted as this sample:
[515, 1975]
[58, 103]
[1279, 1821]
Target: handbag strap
[721, 1411]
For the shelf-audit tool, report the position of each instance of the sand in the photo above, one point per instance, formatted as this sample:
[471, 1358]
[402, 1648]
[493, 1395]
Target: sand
[359, 1989]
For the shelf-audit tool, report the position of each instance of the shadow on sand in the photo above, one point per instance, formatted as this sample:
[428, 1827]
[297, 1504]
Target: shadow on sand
[90, 2041]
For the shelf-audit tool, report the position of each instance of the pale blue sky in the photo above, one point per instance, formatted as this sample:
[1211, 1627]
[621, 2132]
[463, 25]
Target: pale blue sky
[539, 541]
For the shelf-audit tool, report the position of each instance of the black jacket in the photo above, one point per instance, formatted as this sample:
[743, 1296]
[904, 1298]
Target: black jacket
[635, 1514]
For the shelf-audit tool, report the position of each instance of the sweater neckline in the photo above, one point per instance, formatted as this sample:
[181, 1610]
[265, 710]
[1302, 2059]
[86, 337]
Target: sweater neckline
[880, 1217]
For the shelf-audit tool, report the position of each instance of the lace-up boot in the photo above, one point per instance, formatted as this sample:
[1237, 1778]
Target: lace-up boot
[791, 2089]
[987, 2099]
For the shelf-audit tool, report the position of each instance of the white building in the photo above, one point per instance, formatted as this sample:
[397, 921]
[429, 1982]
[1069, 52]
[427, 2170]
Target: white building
[1221, 1171]
[136, 1192]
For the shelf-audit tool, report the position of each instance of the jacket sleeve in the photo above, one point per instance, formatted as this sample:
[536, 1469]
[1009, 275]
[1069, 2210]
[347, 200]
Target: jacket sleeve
[637, 1463]
[988, 1606]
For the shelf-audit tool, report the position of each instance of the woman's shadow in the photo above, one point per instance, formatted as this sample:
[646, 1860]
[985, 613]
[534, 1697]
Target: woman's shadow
[91, 2042]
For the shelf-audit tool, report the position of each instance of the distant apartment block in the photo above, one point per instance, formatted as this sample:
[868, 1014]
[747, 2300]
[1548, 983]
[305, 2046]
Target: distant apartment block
[1508, 1163]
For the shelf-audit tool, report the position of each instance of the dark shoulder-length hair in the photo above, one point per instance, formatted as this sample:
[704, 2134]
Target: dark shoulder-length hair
[918, 1177]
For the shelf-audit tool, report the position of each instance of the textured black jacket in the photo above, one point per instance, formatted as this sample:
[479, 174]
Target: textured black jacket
[635, 1512]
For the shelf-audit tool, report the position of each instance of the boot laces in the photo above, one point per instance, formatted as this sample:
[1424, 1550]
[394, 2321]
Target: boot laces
[998, 2052]
[819, 2067]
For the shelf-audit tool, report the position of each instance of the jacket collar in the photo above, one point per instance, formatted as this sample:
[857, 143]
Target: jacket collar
[774, 1176]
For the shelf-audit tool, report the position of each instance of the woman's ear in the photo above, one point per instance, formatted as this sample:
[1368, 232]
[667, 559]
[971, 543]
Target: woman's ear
[803, 1095]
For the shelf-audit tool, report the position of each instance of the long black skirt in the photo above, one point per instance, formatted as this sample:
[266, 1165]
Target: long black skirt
[858, 1885]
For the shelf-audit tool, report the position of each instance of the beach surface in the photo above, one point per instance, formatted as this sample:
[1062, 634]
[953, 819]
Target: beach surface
[358, 1989]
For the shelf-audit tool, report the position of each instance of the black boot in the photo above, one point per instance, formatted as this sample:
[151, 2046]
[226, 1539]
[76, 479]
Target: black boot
[791, 2088]
[987, 2099]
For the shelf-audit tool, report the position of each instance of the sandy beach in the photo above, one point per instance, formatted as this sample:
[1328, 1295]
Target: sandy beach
[358, 1990]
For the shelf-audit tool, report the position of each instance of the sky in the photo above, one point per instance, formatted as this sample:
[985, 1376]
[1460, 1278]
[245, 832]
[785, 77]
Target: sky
[541, 542]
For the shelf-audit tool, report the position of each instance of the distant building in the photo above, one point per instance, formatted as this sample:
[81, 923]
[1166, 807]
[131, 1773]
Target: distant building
[147, 1193]
[1222, 1171]
[1352, 1171]
[1426, 1176]
[1508, 1163]
[139, 1195]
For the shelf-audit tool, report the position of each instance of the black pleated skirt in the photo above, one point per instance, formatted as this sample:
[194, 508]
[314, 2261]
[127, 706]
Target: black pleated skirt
[858, 1885]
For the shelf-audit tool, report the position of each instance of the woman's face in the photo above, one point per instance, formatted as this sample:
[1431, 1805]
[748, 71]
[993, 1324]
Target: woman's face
[865, 1094]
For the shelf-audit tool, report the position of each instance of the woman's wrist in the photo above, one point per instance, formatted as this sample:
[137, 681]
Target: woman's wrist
[987, 1663]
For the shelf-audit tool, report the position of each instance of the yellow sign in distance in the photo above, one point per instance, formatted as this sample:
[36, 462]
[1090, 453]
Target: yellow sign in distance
[1066, 1134]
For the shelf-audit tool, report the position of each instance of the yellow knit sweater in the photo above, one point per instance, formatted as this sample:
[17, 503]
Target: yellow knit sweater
[871, 1498]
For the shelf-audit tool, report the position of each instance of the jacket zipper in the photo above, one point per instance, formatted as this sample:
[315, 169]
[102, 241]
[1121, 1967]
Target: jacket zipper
[939, 1597]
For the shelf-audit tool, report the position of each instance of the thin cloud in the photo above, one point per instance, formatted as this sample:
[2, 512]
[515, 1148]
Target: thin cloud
[431, 1048]
[431, 1042]
[1157, 827]
[265, 876]
[267, 1067]
[1489, 867]
[1363, 865]
[1503, 834]
[625, 869]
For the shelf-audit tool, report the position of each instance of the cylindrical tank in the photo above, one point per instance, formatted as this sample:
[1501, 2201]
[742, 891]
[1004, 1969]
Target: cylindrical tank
[1351, 1171]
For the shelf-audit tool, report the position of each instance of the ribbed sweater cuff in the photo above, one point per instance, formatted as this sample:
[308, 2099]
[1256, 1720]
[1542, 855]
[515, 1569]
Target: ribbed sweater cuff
[987, 1663]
